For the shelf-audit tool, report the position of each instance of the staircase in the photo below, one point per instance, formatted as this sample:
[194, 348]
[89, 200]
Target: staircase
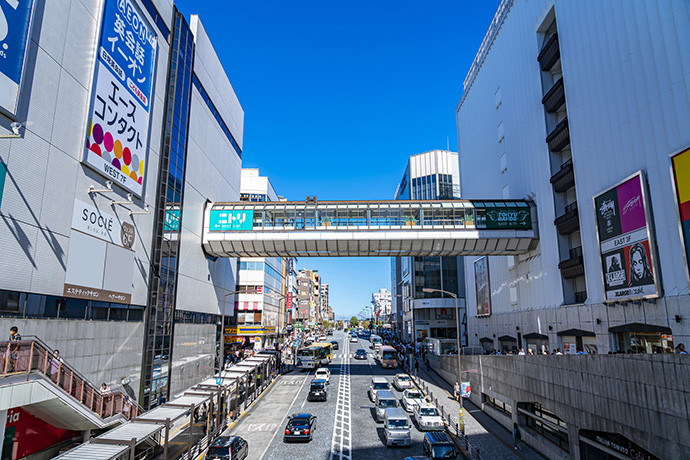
[51, 389]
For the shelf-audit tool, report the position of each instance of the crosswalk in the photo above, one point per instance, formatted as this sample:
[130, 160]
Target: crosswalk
[349, 355]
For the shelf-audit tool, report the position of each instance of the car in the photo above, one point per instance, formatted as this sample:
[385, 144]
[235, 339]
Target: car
[322, 339]
[428, 417]
[307, 343]
[329, 332]
[438, 446]
[402, 382]
[417, 457]
[300, 427]
[411, 397]
[353, 339]
[318, 390]
[228, 448]
[323, 373]
[335, 344]
[377, 384]
[361, 353]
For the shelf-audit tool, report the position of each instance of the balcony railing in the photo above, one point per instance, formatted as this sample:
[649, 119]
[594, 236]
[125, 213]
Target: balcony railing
[570, 221]
[559, 138]
[550, 53]
[564, 177]
[555, 97]
[574, 265]
[32, 356]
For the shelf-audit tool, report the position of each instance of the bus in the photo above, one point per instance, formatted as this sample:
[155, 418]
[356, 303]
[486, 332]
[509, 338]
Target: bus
[388, 357]
[314, 356]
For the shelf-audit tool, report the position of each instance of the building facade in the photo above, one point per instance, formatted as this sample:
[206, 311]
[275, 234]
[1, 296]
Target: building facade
[381, 305]
[418, 314]
[102, 185]
[578, 107]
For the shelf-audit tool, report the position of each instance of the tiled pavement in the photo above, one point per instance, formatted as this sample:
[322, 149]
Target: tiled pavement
[488, 440]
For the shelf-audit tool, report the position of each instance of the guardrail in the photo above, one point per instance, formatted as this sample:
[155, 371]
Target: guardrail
[33, 356]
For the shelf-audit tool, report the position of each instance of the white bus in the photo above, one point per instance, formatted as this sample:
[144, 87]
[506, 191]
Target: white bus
[314, 356]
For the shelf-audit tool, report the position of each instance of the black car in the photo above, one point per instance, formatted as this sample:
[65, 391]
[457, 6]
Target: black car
[318, 390]
[335, 344]
[437, 445]
[228, 448]
[329, 332]
[361, 353]
[300, 427]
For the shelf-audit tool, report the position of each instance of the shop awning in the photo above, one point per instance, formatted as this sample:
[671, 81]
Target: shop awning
[507, 338]
[486, 340]
[640, 327]
[576, 333]
[535, 336]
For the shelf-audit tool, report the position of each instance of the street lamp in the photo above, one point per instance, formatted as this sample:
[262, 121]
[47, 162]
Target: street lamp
[457, 341]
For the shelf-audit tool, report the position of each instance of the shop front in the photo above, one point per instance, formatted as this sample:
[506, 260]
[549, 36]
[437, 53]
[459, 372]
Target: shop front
[536, 342]
[577, 339]
[507, 343]
[599, 445]
[643, 338]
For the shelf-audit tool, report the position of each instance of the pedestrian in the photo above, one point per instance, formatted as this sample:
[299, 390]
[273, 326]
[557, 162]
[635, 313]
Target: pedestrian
[105, 389]
[522, 352]
[55, 363]
[681, 349]
[456, 391]
[517, 436]
[416, 367]
[12, 349]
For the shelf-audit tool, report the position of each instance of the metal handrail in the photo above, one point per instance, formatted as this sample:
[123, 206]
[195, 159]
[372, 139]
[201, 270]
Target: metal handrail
[28, 356]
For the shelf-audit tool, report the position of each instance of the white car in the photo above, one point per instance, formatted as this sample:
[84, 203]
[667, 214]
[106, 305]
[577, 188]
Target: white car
[402, 382]
[322, 339]
[323, 373]
[353, 339]
[377, 384]
[428, 418]
[412, 398]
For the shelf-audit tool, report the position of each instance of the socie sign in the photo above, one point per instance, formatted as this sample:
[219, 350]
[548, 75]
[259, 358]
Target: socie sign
[117, 129]
[628, 254]
[15, 25]
[94, 222]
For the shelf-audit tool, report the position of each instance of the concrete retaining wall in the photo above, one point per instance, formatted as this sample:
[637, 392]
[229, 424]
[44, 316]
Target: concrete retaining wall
[642, 397]
[193, 356]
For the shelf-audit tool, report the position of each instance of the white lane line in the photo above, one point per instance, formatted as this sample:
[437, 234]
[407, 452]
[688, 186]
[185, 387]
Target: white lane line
[341, 442]
[280, 425]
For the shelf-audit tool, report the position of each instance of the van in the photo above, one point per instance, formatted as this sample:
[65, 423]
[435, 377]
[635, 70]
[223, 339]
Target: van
[396, 427]
[385, 399]
[228, 448]
[438, 446]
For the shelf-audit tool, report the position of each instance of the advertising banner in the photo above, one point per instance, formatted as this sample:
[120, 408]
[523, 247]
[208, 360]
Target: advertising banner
[117, 130]
[628, 256]
[222, 221]
[680, 172]
[15, 26]
[91, 220]
[466, 390]
[172, 218]
[482, 288]
[508, 218]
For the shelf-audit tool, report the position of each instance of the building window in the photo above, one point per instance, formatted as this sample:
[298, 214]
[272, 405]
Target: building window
[497, 404]
[545, 423]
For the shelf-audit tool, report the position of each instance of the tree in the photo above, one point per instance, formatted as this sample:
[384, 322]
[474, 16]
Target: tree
[354, 322]
[325, 325]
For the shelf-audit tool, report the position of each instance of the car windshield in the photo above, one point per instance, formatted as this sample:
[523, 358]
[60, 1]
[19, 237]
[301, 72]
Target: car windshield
[414, 395]
[305, 353]
[217, 451]
[389, 356]
[428, 412]
[384, 403]
[361, 351]
[397, 423]
[380, 386]
[322, 372]
[444, 451]
[317, 386]
[403, 378]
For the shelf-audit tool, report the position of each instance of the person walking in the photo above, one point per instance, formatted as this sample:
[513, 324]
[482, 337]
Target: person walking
[517, 436]
[12, 349]
[416, 367]
[55, 363]
[456, 391]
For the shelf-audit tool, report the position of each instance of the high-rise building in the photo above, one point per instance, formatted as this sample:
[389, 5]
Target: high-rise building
[261, 280]
[381, 305]
[418, 314]
[126, 125]
[325, 308]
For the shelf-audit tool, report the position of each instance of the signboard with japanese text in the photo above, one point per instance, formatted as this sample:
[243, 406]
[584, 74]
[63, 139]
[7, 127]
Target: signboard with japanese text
[15, 26]
[628, 254]
[117, 129]
[172, 219]
[508, 218]
[482, 288]
[90, 220]
[222, 220]
[680, 172]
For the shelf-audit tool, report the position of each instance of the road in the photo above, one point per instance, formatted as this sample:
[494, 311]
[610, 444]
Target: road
[345, 428]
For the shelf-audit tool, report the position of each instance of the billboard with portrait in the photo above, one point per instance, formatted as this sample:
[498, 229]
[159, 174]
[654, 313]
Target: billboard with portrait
[15, 27]
[482, 287]
[628, 254]
[680, 172]
[117, 130]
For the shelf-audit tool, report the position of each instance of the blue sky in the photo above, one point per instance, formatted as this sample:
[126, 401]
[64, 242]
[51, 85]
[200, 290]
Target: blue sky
[337, 96]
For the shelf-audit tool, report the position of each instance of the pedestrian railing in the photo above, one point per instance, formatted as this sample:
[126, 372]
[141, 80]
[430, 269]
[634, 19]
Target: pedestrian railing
[32, 356]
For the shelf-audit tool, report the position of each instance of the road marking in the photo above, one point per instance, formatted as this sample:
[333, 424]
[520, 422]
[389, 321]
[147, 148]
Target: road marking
[341, 443]
[263, 454]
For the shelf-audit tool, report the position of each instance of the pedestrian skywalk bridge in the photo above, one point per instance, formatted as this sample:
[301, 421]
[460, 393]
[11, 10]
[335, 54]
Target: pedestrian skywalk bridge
[369, 228]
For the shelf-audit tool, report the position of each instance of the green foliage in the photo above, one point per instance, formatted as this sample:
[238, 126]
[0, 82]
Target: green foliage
[354, 322]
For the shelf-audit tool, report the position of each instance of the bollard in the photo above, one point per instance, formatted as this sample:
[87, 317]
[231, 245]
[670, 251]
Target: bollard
[478, 456]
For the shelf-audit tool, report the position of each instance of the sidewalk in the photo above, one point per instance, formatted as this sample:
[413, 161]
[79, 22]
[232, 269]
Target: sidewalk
[486, 436]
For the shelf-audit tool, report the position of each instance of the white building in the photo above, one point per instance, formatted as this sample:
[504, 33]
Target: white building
[381, 304]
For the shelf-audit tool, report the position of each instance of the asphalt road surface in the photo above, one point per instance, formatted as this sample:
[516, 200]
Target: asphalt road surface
[345, 427]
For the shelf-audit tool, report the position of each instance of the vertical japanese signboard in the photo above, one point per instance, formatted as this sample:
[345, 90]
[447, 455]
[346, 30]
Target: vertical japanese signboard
[118, 123]
[680, 172]
[481, 283]
[628, 254]
[15, 25]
